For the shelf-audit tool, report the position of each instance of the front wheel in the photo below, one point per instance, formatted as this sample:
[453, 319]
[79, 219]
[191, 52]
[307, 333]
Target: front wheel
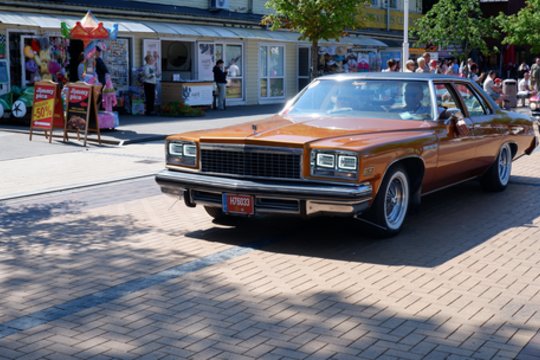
[498, 176]
[390, 206]
[220, 217]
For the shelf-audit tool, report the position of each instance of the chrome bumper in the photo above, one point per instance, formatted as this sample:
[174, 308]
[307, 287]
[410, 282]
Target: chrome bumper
[270, 196]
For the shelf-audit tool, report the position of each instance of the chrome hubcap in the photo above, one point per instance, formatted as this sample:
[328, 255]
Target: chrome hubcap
[505, 165]
[396, 201]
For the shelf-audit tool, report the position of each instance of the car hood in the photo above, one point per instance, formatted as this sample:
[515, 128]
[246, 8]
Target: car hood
[302, 130]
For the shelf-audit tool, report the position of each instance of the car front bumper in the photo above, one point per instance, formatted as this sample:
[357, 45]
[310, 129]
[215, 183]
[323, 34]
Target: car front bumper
[270, 197]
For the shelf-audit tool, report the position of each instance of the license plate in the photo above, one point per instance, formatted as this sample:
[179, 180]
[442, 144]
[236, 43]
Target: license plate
[238, 204]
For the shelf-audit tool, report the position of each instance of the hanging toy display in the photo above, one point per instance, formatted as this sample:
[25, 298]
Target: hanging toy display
[89, 30]
[108, 119]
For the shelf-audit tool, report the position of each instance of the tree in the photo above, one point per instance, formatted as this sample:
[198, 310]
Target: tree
[452, 23]
[315, 20]
[522, 28]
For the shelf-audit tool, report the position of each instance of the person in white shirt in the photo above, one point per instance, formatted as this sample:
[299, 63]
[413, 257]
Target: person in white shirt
[492, 89]
[421, 65]
[150, 80]
[409, 66]
[524, 87]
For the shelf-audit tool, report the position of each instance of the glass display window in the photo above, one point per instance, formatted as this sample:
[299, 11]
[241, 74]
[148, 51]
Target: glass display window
[232, 56]
[271, 71]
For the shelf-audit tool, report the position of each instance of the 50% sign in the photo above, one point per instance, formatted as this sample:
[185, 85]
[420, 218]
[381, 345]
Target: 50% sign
[43, 110]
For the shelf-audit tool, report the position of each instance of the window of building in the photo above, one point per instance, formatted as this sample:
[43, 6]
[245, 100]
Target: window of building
[272, 71]
[232, 56]
[304, 64]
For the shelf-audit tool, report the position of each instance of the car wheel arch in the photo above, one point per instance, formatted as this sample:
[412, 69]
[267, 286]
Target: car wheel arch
[513, 148]
[415, 167]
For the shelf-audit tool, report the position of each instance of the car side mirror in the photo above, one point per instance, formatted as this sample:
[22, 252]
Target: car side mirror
[453, 118]
[450, 115]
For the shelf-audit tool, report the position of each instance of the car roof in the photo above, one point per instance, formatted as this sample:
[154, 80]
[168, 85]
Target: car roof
[393, 76]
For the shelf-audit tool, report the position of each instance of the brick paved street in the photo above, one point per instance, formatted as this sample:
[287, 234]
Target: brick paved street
[121, 271]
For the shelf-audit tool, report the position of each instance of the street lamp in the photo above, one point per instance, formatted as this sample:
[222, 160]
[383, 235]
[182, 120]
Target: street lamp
[405, 35]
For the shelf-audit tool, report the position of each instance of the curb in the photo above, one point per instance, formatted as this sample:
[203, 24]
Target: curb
[94, 139]
[73, 187]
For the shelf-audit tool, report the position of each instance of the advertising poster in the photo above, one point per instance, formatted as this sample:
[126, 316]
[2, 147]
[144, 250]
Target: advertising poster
[152, 47]
[79, 97]
[82, 110]
[198, 94]
[47, 110]
[206, 61]
[44, 103]
[116, 57]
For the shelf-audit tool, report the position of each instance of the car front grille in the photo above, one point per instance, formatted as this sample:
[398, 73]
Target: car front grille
[252, 162]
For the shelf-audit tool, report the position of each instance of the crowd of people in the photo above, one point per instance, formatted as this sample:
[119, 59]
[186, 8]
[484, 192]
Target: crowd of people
[528, 77]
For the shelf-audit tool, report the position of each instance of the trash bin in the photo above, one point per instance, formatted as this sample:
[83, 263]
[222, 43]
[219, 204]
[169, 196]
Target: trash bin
[510, 90]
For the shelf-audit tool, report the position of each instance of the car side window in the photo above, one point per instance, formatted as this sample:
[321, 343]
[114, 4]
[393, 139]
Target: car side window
[445, 97]
[476, 106]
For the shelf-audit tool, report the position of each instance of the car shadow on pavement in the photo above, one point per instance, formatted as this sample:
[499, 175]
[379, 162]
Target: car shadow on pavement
[448, 224]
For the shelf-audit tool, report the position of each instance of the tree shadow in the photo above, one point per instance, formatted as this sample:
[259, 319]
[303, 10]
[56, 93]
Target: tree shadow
[447, 224]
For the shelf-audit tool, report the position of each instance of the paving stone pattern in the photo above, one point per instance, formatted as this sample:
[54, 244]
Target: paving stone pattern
[462, 281]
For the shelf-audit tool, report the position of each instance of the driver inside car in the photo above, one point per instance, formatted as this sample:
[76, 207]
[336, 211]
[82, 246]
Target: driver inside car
[414, 96]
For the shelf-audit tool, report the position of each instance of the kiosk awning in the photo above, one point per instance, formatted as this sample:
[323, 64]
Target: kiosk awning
[52, 22]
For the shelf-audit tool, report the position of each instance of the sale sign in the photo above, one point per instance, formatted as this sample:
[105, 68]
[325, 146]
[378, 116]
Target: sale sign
[44, 103]
[47, 110]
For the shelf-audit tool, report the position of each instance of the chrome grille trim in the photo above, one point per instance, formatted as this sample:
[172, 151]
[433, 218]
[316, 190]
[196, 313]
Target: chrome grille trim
[249, 161]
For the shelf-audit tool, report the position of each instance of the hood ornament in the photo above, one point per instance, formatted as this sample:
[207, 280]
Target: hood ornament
[254, 128]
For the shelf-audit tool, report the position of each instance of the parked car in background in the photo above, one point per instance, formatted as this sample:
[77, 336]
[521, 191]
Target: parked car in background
[534, 105]
[365, 145]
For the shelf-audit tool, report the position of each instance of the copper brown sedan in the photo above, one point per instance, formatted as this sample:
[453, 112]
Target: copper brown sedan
[366, 146]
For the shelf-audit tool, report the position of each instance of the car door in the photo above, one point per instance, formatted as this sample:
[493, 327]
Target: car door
[456, 153]
[487, 132]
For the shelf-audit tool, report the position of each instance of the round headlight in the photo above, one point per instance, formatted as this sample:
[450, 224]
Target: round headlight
[533, 105]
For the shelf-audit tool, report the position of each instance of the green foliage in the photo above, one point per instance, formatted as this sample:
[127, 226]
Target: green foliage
[522, 28]
[453, 23]
[316, 20]
[178, 108]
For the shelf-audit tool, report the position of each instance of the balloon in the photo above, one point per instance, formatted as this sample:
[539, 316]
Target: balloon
[90, 50]
[31, 66]
[35, 45]
[44, 43]
[37, 59]
[28, 52]
[65, 30]
[54, 67]
[113, 32]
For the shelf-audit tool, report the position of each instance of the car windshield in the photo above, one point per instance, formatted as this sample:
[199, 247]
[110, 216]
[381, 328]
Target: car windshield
[384, 99]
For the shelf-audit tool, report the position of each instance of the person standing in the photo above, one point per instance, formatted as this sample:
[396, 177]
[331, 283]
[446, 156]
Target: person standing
[391, 65]
[522, 68]
[427, 62]
[535, 74]
[493, 89]
[150, 78]
[410, 66]
[524, 89]
[101, 68]
[220, 78]
[421, 65]
[80, 68]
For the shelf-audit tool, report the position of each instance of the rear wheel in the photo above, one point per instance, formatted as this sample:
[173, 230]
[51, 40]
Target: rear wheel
[390, 207]
[498, 175]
